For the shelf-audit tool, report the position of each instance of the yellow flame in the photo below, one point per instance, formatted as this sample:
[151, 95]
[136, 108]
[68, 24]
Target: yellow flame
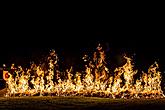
[96, 81]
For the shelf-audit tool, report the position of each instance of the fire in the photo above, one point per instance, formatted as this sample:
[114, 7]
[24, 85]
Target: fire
[96, 80]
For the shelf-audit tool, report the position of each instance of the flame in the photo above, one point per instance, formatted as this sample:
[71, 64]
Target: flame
[96, 80]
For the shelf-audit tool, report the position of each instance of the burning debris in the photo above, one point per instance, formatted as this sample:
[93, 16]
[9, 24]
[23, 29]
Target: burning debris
[96, 81]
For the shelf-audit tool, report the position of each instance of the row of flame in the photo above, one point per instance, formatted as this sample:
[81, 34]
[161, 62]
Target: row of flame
[96, 81]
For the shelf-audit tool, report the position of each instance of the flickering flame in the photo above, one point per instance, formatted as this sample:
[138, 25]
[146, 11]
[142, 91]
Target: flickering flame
[96, 81]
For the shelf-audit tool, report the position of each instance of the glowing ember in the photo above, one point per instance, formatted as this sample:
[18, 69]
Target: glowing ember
[96, 81]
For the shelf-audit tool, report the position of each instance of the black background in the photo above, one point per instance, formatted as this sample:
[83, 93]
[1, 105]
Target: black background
[28, 37]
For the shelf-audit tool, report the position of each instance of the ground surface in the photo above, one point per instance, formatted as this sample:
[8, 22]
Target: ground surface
[79, 103]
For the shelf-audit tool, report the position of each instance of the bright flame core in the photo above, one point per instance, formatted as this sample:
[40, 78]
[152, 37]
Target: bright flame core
[96, 81]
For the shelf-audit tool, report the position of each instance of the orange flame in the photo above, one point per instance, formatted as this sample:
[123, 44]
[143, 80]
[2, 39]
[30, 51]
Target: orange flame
[96, 81]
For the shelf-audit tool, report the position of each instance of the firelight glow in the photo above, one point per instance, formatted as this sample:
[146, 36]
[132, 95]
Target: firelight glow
[96, 81]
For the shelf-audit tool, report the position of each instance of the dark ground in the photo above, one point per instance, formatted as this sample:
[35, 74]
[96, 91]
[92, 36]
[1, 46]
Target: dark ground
[80, 103]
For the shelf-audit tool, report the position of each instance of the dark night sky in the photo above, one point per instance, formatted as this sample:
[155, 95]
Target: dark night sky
[73, 42]
[27, 39]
